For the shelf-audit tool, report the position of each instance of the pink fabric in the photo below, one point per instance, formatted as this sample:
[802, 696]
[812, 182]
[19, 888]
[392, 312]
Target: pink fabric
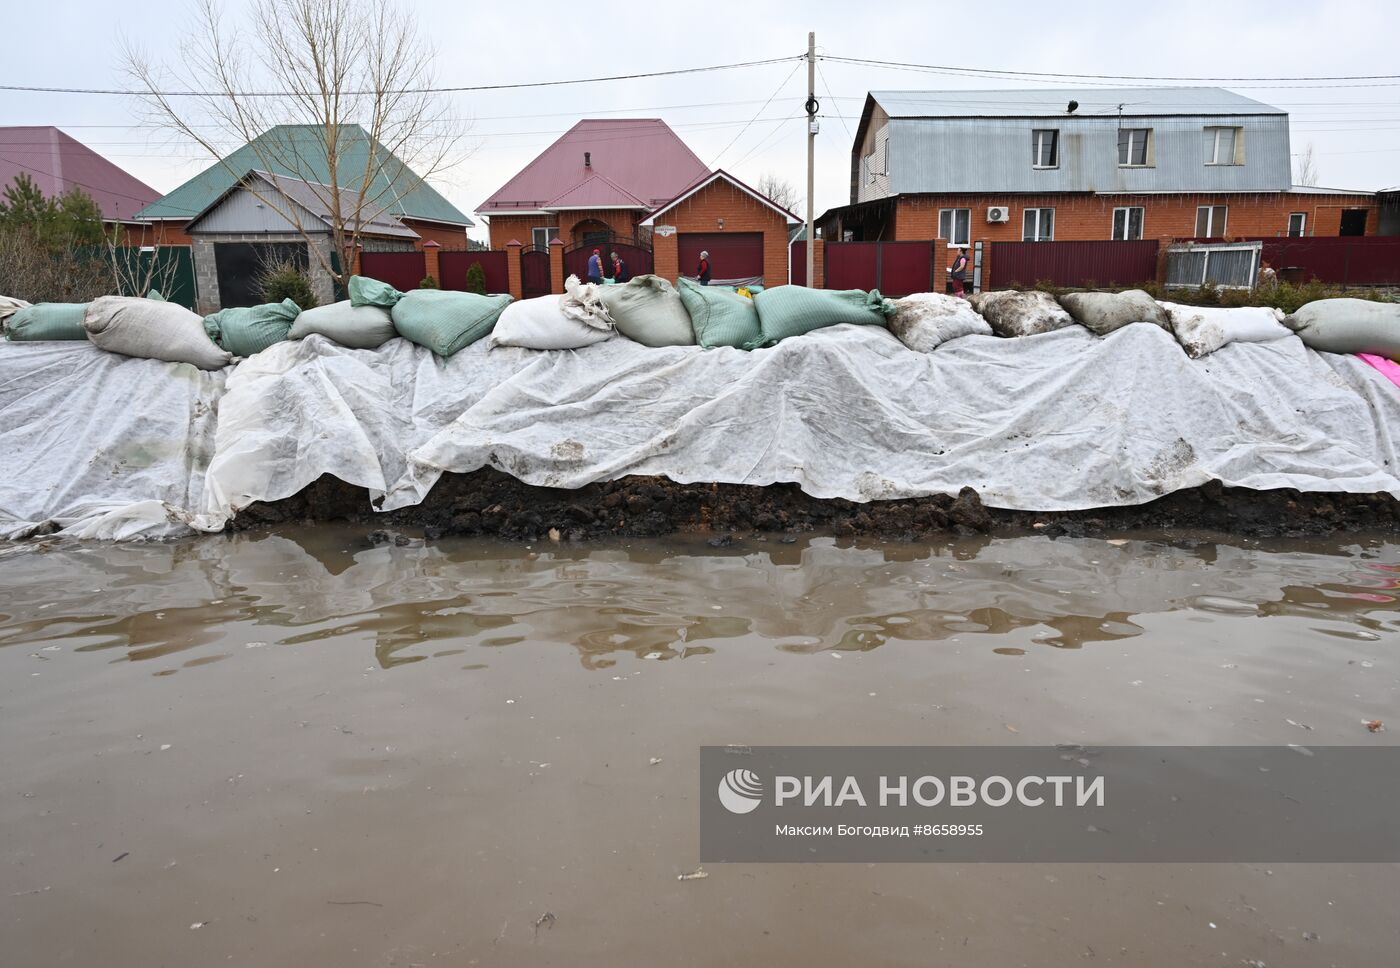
[1389, 368]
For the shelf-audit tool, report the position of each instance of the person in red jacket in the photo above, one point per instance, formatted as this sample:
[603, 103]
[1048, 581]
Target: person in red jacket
[619, 269]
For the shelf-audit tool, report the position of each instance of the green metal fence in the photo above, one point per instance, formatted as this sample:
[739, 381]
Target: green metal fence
[168, 268]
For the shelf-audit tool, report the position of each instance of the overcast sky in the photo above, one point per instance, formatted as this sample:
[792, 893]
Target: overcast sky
[1355, 129]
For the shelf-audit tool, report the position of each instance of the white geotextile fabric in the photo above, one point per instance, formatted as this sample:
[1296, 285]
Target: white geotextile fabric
[1062, 420]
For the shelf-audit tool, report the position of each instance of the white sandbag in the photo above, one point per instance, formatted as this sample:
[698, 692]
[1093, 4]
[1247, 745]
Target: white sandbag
[1103, 312]
[925, 320]
[1349, 326]
[649, 310]
[1012, 313]
[1201, 330]
[542, 324]
[358, 327]
[583, 301]
[149, 329]
[8, 307]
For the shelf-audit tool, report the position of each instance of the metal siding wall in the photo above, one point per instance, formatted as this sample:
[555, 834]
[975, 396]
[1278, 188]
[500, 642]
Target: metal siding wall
[994, 155]
[240, 213]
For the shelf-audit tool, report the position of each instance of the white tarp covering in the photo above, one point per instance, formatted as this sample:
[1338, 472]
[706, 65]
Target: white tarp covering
[1064, 420]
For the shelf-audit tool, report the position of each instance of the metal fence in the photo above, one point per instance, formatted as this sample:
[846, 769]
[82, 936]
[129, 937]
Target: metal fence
[1086, 264]
[453, 266]
[1228, 265]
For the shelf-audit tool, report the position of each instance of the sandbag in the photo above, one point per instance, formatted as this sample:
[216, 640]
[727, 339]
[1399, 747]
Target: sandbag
[1012, 313]
[648, 309]
[364, 291]
[9, 305]
[720, 318]
[445, 321]
[925, 320]
[149, 329]
[247, 330]
[583, 302]
[358, 327]
[156, 295]
[47, 321]
[1201, 330]
[785, 311]
[1349, 326]
[1103, 312]
[540, 324]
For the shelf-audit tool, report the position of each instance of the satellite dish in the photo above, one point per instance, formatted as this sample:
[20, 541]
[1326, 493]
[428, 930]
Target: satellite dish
[1073, 106]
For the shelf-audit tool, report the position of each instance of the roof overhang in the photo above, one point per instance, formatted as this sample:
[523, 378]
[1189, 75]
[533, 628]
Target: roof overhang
[710, 179]
[403, 217]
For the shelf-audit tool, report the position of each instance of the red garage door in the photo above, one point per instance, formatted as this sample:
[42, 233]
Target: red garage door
[733, 255]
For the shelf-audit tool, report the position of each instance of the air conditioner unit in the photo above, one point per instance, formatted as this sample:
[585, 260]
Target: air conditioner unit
[998, 213]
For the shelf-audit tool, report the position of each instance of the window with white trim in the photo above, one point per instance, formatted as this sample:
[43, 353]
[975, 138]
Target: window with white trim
[1297, 224]
[1224, 145]
[1038, 225]
[541, 236]
[1210, 221]
[1127, 223]
[955, 225]
[1045, 148]
[1133, 150]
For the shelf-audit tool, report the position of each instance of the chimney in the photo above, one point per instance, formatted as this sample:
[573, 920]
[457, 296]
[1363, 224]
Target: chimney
[588, 159]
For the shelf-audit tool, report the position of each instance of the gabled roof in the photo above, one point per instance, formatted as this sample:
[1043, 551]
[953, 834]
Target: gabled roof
[641, 157]
[299, 151]
[1135, 102]
[311, 202]
[714, 176]
[57, 162]
[598, 191]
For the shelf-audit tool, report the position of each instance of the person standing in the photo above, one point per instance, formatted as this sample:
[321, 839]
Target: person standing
[595, 267]
[703, 271]
[619, 269]
[957, 273]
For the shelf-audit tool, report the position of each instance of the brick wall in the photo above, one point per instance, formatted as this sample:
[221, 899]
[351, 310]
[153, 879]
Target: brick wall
[447, 236]
[741, 212]
[156, 233]
[1090, 217]
[520, 227]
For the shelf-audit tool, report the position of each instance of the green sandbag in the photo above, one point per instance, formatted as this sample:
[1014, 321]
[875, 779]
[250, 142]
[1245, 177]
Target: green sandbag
[648, 309]
[371, 292]
[251, 329]
[720, 318]
[785, 311]
[155, 294]
[446, 321]
[47, 321]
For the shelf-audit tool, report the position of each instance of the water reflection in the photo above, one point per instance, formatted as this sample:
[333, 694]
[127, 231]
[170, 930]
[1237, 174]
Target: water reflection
[665, 600]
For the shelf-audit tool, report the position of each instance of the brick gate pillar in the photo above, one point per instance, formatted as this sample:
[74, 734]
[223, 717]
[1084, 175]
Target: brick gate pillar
[430, 260]
[665, 255]
[556, 267]
[513, 269]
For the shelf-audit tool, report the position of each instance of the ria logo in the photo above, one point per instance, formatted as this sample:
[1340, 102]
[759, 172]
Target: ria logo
[741, 791]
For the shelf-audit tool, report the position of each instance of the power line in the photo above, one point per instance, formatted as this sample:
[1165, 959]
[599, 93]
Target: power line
[1117, 77]
[834, 102]
[408, 90]
[781, 84]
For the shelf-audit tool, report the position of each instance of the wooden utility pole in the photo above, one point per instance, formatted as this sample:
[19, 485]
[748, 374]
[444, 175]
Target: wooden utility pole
[811, 150]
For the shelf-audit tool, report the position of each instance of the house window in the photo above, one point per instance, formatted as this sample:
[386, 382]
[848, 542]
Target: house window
[1039, 225]
[1127, 223]
[543, 235]
[1223, 146]
[1210, 221]
[1045, 148]
[954, 224]
[1132, 147]
[1297, 224]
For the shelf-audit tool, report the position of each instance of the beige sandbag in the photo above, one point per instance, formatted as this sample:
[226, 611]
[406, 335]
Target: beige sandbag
[152, 330]
[1013, 313]
[1103, 312]
[1349, 326]
[926, 320]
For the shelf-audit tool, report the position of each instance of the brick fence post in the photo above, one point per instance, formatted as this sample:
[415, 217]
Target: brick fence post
[430, 260]
[818, 280]
[513, 269]
[556, 267]
[665, 255]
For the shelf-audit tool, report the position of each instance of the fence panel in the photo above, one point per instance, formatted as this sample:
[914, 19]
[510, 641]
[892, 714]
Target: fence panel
[1229, 265]
[534, 273]
[402, 270]
[1341, 260]
[852, 265]
[1101, 263]
[453, 268]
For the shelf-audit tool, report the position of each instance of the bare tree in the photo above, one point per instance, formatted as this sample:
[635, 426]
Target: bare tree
[779, 190]
[1306, 173]
[325, 66]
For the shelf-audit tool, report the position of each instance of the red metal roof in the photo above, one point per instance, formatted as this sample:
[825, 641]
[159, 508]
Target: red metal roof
[598, 191]
[57, 162]
[639, 157]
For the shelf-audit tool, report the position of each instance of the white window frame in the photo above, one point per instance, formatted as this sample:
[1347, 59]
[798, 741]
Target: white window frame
[1127, 235]
[1302, 218]
[1210, 232]
[1040, 218]
[953, 241]
[1235, 147]
[1132, 140]
[550, 232]
[1038, 137]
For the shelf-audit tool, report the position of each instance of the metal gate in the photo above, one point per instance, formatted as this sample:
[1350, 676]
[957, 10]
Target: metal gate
[733, 255]
[894, 268]
[239, 265]
[534, 272]
[453, 268]
[1101, 263]
[402, 270]
[636, 257]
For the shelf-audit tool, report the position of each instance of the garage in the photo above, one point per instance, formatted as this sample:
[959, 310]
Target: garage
[734, 256]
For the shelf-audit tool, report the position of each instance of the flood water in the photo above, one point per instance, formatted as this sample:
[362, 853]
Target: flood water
[296, 749]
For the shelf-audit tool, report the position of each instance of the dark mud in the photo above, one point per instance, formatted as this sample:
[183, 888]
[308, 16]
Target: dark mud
[490, 503]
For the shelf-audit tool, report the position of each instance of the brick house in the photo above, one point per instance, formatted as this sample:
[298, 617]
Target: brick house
[963, 167]
[745, 233]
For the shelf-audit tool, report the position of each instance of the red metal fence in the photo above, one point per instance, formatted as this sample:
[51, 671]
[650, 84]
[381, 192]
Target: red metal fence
[1071, 263]
[1340, 260]
[453, 266]
[894, 268]
[636, 258]
[402, 270]
[534, 273]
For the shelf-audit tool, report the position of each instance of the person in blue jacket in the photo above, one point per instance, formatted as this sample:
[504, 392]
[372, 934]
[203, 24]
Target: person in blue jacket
[595, 267]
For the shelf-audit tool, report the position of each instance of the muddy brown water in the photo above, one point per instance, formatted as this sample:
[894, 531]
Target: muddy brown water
[296, 749]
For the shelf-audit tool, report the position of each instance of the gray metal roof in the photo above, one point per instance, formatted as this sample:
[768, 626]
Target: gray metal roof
[1040, 102]
[310, 197]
